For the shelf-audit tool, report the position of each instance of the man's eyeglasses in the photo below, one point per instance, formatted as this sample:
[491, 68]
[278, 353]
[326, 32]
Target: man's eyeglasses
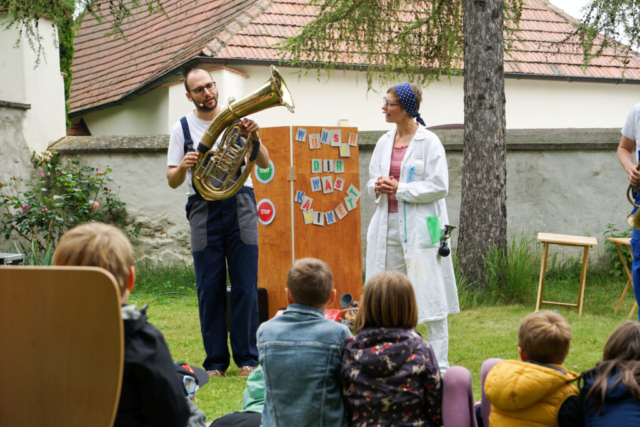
[200, 89]
[386, 102]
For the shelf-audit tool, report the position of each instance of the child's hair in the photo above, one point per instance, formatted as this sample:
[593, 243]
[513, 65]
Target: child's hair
[621, 356]
[310, 281]
[545, 337]
[97, 245]
[417, 92]
[388, 301]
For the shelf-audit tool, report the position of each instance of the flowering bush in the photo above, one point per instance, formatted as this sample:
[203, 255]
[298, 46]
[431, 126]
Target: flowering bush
[61, 196]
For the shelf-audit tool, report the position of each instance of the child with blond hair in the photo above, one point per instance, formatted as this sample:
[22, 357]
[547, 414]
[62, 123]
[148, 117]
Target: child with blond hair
[152, 394]
[535, 390]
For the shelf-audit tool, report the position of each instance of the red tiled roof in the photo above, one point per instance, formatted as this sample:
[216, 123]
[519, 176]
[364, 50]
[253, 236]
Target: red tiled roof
[106, 70]
[535, 49]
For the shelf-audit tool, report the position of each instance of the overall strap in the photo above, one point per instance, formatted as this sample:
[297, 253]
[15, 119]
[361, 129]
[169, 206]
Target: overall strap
[188, 148]
[188, 142]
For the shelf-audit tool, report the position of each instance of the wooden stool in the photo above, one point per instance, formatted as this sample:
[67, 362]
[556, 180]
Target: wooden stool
[624, 241]
[564, 240]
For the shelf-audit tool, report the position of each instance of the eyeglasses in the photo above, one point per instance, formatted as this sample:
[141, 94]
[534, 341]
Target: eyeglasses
[200, 89]
[386, 102]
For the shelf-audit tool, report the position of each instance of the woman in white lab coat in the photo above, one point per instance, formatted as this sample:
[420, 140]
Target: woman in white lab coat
[408, 176]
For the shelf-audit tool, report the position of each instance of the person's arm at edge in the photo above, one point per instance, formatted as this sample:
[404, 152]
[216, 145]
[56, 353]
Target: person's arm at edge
[177, 174]
[625, 157]
[263, 157]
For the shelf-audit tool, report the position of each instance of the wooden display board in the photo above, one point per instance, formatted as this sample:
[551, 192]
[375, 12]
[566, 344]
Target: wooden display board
[287, 238]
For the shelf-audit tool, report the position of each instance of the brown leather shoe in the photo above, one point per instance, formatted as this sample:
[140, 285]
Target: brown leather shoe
[246, 370]
[216, 373]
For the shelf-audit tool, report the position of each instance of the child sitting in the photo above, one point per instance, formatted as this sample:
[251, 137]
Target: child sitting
[300, 353]
[611, 391]
[536, 390]
[390, 374]
[152, 393]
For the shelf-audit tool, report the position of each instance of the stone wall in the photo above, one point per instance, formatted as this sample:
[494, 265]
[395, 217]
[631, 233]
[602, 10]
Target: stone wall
[563, 181]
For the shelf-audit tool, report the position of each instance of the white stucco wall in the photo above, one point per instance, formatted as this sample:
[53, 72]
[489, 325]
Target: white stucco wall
[144, 115]
[531, 104]
[42, 87]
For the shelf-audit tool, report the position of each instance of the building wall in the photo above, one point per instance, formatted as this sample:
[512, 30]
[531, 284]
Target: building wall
[531, 104]
[39, 85]
[564, 188]
[144, 115]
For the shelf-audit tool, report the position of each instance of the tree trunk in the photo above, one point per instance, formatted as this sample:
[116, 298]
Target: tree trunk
[483, 213]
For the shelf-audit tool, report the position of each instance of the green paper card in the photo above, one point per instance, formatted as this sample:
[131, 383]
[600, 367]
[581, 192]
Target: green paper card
[433, 224]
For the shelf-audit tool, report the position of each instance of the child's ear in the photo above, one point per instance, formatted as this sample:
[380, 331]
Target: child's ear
[332, 297]
[289, 296]
[523, 354]
[131, 281]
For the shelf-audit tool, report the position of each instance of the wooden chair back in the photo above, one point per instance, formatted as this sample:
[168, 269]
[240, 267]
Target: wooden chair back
[61, 346]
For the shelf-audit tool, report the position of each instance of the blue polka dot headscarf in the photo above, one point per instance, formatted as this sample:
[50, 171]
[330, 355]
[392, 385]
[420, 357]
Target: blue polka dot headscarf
[408, 101]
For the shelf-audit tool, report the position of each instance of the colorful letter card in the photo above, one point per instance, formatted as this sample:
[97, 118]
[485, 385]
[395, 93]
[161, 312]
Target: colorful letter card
[353, 139]
[308, 217]
[316, 165]
[339, 185]
[352, 191]
[339, 165]
[306, 203]
[301, 135]
[351, 203]
[325, 137]
[316, 185]
[327, 166]
[341, 211]
[344, 150]
[327, 185]
[331, 217]
[318, 218]
[314, 141]
[299, 195]
[336, 138]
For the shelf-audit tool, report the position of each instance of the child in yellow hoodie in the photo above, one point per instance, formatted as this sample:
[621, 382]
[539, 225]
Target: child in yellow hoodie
[536, 391]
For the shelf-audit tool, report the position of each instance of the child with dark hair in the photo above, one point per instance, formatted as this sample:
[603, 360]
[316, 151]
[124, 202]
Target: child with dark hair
[611, 390]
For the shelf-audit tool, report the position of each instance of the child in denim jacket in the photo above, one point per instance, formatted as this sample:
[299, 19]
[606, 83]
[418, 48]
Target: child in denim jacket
[301, 352]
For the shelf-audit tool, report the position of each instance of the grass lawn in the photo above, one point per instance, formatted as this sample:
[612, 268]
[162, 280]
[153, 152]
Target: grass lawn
[476, 334]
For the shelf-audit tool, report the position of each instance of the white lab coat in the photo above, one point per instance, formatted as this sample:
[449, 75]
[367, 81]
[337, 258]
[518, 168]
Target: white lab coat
[431, 275]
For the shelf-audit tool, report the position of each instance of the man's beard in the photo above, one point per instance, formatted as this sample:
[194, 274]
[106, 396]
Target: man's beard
[203, 106]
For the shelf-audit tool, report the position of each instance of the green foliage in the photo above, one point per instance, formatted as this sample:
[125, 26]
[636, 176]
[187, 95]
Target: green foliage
[158, 278]
[422, 40]
[606, 25]
[510, 278]
[67, 51]
[616, 270]
[61, 196]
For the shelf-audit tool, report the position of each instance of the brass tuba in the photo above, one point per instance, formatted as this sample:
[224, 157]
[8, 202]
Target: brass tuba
[214, 173]
[633, 219]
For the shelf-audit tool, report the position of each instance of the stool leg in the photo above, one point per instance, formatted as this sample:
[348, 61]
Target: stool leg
[629, 278]
[583, 279]
[635, 305]
[543, 271]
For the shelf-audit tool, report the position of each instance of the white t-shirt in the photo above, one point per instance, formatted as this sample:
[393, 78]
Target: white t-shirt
[175, 153]
[631, 127]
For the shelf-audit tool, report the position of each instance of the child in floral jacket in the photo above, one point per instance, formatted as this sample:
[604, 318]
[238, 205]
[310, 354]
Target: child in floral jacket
[390, 374]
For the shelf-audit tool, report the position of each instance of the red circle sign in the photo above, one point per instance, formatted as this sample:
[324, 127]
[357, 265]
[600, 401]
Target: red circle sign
[266, 211]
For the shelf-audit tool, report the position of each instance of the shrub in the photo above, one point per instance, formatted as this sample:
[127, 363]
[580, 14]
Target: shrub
[611, 252]
[61, 196]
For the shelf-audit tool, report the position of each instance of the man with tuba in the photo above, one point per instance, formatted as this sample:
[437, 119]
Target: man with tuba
[224, 233]
[629, 145]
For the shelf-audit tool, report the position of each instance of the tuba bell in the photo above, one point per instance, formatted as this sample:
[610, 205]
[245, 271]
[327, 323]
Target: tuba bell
[214, 175]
